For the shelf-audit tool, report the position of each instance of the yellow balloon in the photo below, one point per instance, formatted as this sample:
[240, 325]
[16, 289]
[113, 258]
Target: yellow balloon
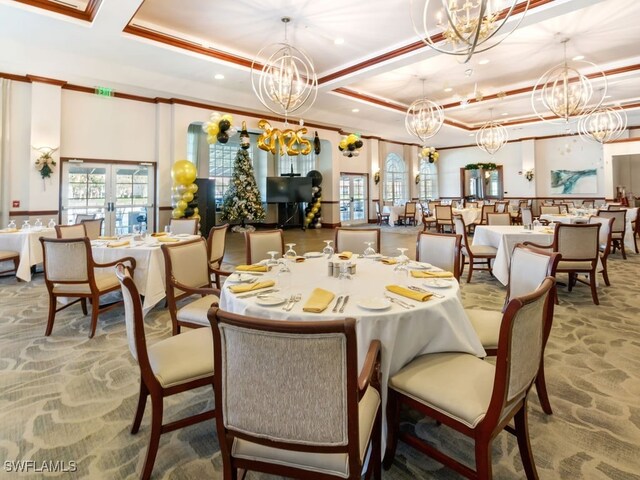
[343, 143]
[183, 172]
[211, 139]
[213, 129]
[196, 210]
[196, 216]
[187, 196]
[193, 188]
[181, 205]
[352, 138]
[305, 146]
[177, 213]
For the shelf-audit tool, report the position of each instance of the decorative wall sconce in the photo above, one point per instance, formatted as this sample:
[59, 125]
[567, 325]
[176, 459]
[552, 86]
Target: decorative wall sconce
[417, 179]
[376, 177]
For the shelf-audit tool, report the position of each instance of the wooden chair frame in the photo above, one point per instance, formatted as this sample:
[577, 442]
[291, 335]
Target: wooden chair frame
[447, 220]
[177, 221]
[604, 253]
[81, 217]
[215, 264]
[338, 229]
[357, 384]
[95, 293]
[91, 222]
[409, 215]
[10, 256]
[456, 264]
[247, 239]
[617, 242]
[149, 385]
[498, 215]
[486, 208]
[60, 229]
[491, 425]
[472, 256]
[382, 217]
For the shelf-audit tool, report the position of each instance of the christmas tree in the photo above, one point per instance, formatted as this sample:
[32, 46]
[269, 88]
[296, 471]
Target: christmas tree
[242, 200]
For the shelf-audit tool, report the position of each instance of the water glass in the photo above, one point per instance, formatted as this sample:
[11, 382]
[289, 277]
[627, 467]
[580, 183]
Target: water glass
[52, 223]
[26, 225]
[38, 224]
[328, 250]
[12, 224]
[272, 262]
[167, 229]
[290, 254]
[369, 251]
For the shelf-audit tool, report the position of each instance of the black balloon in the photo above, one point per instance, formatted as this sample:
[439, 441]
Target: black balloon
[319, 190]
[316, 177]
[340, 148]
[351, 147]
[192, 204]
[358, 143]
[316, 144]
[223, 137]
[188, 212]
[224, 125]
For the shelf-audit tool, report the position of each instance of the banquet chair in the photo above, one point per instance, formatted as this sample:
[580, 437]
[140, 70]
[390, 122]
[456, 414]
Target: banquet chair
[614, 206]
[70, 271]
[502, 206]
[564, 208]
[169, 366]
[258, 243]
[618, 230]
[353, 239]
[409, 215]
[187, 274]
[604, 243]
[444, 217]
[550, 210]
[588, 204]
[215, 249]
[80, 217]
[528, 268]
[382, 217]
[498, 219]
[473, 396]
[579, 246]
[181, 226]
[472, 205]
[484, 253]
[71, 231]
[486, 209]
[93, 228]
[526, 217]
[636, 232]
[441, 250]
[428, 217]
[316, 418]
[10, 256]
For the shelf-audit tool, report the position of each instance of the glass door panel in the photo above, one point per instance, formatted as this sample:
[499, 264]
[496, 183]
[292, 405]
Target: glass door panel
[353, 199]
[133, 198]
[84, 191]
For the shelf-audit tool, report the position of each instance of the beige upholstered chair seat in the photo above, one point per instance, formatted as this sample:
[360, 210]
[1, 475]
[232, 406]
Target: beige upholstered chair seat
[456, 384]
[480, 250]
[196, 311]
[182, 358]
[487, 325]
[7, 254]
[332, 464]
[573, 265]
[104, 281]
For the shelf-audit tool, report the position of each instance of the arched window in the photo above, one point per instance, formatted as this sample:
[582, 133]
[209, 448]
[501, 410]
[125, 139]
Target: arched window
[395, 179]
[428, 180]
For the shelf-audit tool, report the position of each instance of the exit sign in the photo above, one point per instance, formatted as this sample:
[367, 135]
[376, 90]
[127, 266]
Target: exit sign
[104, 91]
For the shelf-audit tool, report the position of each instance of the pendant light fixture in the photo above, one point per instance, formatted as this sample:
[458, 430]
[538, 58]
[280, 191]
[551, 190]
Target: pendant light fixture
[491, 136]
[424, 118]
[603, 124]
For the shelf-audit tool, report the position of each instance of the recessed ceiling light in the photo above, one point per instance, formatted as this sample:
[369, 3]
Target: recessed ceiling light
[355, 110]
[484, 61]
[504, 114]
[339, 41]
[218, 76]
[448, 89]
[578, 57]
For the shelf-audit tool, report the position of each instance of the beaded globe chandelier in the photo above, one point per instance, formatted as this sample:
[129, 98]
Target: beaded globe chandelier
[491, 136]
[603, 124]
[424, 118]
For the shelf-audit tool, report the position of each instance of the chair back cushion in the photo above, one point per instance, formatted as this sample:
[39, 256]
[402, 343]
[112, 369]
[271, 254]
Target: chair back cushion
[216, 244]
[65, 261]
[84, 216]
[486, 208]
[353, 240]
[527, 216]
[188, 262]
[472, 205]
[93, 228]
[71, 231]
[460, 228]
[527, 271]
[410, 208]
[259, 243]
[501, 207]
[184, 225]
[578, 242]
[498, 219]
[271, 378]
[444, 213]
[130, 297]
[440, 250]
[606, 225]
[620, 217]
[550, 209]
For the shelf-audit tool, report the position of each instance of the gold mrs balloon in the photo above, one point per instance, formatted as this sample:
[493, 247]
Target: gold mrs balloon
[290, 141]
[183, 191]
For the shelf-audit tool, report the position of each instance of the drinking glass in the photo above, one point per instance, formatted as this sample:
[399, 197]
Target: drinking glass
[12, 224]
[26, 225]
[135, 229]
[38, 224]
[402, 258]
[290, 254]
[328, 250]
[167, 229]
[52, 223]
[344, 278]
[272, 262]
[369, 250]
[284, 275]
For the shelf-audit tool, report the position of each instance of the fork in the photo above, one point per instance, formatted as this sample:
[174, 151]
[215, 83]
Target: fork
[424, 290]
[398, 302]
[296, 298]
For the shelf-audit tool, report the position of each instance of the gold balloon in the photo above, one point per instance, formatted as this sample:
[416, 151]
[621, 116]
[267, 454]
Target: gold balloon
[343, 143]
[177, 213]
[196, 216]
[213, 129]
[187, 196]
[211, 139]
[183, 172]
[193, 188]
[306, 150]
[181, 205]
[352, 138]
[196, 210]
[181, 189]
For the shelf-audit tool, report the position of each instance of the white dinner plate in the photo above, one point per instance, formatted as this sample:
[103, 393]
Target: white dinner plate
[182, 235]
[419, 266]
[438, 283]
[374, 303]
[270, 300]
[240, 277]
[313, 254]
[375, 256]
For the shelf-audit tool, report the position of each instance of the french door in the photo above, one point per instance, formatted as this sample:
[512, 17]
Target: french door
[353, 198]
[121, 193]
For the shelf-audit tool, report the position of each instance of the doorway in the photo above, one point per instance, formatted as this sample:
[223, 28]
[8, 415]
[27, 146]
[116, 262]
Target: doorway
[122, 193]
[353, 198]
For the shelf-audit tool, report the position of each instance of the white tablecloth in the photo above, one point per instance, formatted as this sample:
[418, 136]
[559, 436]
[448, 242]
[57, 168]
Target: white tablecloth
[397, 210]
[504, 238]
[26, 243]
[567, 218]
[469, 215]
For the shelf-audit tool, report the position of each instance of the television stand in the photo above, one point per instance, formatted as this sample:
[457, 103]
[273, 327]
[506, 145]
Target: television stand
[290, 215]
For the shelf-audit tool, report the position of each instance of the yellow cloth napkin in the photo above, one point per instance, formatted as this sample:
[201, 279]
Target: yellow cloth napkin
[168, 239]
[252, 268]
[121, 243]
[389, 261]
[9, 230]
[247, 287]
[421, 274]
[107, 237]
[548, 230]
[159, 234]
[345, 255]
[318, 301]
[405, 292]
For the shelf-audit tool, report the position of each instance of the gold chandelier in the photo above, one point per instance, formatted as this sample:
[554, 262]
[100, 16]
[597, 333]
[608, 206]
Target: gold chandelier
[287, 81]
[463, 27]
[424, 118]
[603, 124]
[565, 92]
[492, 136]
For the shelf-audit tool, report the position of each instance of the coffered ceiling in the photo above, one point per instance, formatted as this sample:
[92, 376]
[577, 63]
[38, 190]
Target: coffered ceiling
[367, 56]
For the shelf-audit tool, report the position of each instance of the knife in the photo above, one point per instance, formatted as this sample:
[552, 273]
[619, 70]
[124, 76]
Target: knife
[259, 292]
[335, 307]
[344, 302]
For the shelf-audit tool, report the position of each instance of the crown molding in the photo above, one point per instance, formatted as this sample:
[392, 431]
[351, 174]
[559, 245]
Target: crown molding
[87, 15]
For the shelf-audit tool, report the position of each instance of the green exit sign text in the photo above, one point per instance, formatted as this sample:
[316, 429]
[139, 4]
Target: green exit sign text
[104, 91]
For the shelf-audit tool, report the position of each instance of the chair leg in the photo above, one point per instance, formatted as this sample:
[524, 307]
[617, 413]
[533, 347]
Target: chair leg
[624, 253]
[376, 447]
[83, 304]
[470, 270]
[541, 388]
[483, 459]
[52, 315]
[393, 426]
[154, 437]
[605, 274]
[635, 241]
[142, 402]
[95, 309]
[592, 284]
[524, 445]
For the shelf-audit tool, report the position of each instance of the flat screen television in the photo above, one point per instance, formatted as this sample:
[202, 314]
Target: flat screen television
[288, 189]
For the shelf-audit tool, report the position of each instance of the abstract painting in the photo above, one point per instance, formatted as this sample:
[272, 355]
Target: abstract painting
[574, 181]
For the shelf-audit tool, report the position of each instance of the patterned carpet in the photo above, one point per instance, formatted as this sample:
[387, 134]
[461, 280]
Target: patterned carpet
[69, 398]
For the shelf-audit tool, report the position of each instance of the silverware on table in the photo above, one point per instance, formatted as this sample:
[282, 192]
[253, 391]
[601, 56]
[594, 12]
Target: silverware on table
[296, 298]
[344, 302]
[259, 292]
[335, 307]
[289, 302]
[398, 302]
[424, 290]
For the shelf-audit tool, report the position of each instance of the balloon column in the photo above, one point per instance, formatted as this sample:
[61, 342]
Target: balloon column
[313, 211]
[219, 128]
[184, 191]
[350, 145]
